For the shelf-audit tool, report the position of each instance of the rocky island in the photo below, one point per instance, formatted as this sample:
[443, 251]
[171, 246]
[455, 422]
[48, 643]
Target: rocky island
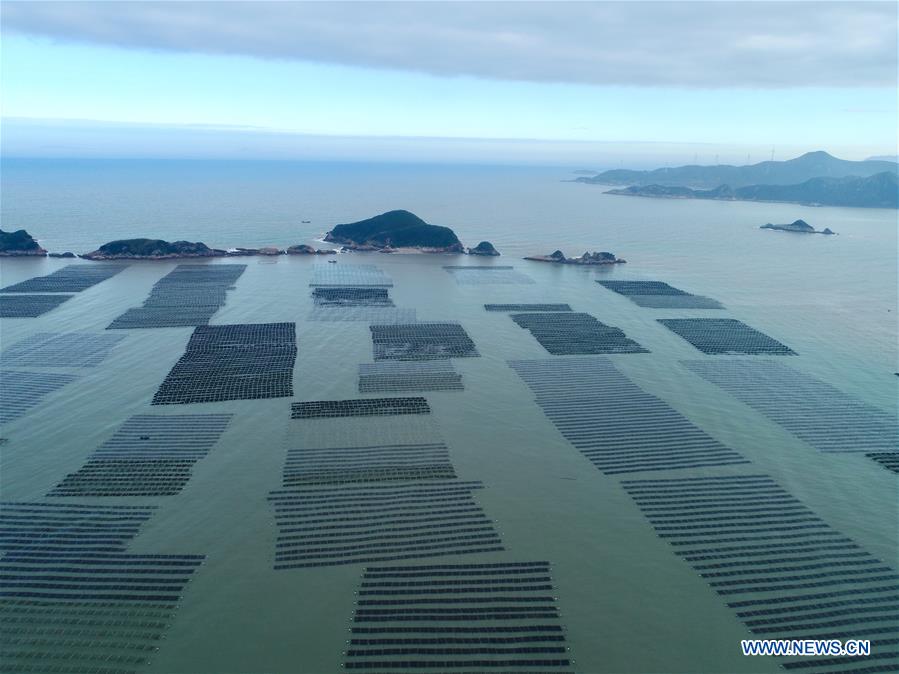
[158, 249]
[483, 248]
[878, 191]
[586, 259]
[152, 249]
[303, 249]
[395, 230]
[18, 244]
[799, 226]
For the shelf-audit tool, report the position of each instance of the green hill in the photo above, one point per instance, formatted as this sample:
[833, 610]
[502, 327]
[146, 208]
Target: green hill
[19, 242]
[151, 249]
[878, 191]
[395, 229]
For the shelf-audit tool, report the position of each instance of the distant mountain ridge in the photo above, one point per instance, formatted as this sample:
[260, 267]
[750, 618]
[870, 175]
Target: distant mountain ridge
[877, 191]
[791, 172]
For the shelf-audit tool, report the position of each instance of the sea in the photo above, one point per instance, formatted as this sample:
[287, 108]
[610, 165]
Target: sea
[628, 602]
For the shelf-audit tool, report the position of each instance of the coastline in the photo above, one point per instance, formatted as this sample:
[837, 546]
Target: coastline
[231, 252]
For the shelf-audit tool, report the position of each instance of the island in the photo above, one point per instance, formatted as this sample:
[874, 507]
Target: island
[880, 190]
[395, 231]
[483, 248]
[303, 249]
[817, 164]
[241, 252]
[152, 249]
[799, 226]
[586, 259]
[19, 244]
[158, 249]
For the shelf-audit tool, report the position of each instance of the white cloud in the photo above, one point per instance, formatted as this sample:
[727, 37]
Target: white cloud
[681, 44]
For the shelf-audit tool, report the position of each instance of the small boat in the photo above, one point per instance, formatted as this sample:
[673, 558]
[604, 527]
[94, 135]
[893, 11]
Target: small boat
[332, 261]
[305, 222]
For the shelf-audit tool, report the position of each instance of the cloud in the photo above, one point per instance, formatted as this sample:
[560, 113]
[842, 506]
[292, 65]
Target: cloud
[679, 44]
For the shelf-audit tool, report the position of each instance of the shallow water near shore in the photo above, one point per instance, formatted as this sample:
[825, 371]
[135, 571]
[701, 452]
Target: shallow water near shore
[628, 602]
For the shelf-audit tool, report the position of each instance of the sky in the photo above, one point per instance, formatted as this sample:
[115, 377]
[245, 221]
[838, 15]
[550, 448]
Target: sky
[592, 84]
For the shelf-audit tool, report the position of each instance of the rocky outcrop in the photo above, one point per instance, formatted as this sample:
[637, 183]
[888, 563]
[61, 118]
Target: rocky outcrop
[303, 249]
[67, 254]
[587, 258]
[483, 248]
[799, 226]
[151, 249]
[157, 249]
[396, 230]
[19, 244]
[601, 257]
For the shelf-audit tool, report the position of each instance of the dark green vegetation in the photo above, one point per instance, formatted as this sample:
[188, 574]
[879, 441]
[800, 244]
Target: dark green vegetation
[151, 249]
[877, 191]
[810, 165]
[395, 229]
[19, 242]
[303, 249]
[483, 248]
[799, 226]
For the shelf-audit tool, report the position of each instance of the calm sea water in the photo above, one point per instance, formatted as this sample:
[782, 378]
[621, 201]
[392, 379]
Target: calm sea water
[629, 604]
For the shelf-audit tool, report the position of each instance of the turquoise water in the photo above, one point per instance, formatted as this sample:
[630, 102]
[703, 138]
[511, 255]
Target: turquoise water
[630, 605]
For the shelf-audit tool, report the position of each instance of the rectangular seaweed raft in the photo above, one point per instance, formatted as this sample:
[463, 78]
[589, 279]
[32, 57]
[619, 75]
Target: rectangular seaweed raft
[70, 279]
[785, 572]
[570, 333]
[659, 295]
[188, 296]
[421, 341]
[232, 362]
[614, 423]
[725, 336]
[29, 306]
[500, 616]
